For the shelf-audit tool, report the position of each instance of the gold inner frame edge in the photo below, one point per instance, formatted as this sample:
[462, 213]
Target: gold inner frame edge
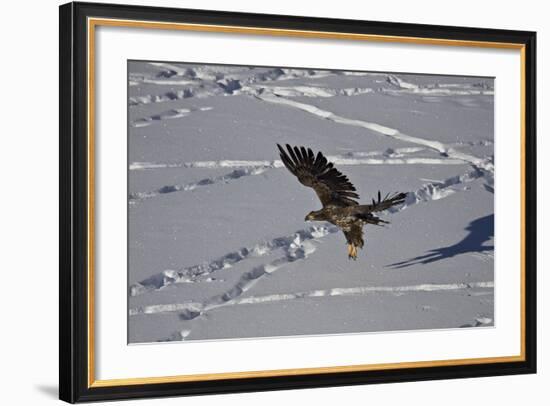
[91, 25]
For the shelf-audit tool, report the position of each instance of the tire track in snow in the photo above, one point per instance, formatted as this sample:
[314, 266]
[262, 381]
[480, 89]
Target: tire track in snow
[192, 310]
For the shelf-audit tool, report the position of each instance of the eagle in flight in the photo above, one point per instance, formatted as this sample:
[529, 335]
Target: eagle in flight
[337, 195]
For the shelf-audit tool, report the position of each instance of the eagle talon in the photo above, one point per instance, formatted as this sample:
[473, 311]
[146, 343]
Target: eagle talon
[352, 252]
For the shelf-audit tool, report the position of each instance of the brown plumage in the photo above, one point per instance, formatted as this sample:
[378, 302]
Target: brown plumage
[337, 194]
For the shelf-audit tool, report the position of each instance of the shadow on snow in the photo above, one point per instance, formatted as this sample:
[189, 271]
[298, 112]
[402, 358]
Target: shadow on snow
[479, 232]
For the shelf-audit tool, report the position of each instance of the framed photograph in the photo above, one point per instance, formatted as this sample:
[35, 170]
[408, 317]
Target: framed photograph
[258, 202]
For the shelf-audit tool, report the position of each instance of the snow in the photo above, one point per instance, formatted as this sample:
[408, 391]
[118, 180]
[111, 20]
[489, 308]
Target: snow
[218, 246]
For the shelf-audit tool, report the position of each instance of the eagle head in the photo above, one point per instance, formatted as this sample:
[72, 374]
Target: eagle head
[313, 215]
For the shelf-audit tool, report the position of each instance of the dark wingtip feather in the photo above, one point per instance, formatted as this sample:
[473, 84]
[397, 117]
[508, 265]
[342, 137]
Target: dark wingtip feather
[298, 154]
[304, 154]
[314, 170]
[311, 157]
[286, 160]
[292, 155]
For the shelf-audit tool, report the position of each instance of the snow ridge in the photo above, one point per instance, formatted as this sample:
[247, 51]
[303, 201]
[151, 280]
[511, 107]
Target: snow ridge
[192, 310]
[202, 82]
[441, 148]
[440, 189]
[437, 89]
[343, 160]
[225, 163]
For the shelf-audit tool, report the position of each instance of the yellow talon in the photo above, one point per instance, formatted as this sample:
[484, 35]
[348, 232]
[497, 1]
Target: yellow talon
[352, 251]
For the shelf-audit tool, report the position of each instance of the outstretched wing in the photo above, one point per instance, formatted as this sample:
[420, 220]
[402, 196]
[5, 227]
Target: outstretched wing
[386, 202]
[331, 186]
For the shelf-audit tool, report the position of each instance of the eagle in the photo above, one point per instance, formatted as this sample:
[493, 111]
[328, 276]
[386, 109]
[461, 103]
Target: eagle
[337, 194]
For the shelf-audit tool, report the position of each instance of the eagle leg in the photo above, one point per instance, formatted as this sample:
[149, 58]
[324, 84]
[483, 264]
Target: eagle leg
[352, 252]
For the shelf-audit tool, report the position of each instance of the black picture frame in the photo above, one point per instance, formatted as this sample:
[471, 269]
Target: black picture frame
[74, 382]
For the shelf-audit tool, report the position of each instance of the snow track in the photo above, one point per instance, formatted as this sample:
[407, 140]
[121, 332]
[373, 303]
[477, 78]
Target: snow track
[227, 178]
[194, 309]
[402, 87]
[167, 115]
[437, 146]
[399, 156]
[344, 160]
[292, 245]
[201, 82]
[297, 245]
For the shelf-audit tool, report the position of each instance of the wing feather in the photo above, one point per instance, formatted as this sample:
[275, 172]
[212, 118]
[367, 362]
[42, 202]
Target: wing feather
[320, 161]
[295, 160]
[311, 157]
[298, 154]
[305, 158]
[331, 186]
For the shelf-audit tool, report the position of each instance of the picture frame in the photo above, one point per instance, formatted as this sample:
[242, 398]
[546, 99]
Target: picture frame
[78, 282]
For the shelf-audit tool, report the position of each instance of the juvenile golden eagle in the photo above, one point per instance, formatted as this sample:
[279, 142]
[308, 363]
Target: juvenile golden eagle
[337, 195]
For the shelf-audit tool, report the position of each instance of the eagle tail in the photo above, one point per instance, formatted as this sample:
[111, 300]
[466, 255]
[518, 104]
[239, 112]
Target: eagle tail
[388, 201]
[365, 211]
[370, 218]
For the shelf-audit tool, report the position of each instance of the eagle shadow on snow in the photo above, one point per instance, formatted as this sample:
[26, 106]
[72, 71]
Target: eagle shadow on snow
[479, 231]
